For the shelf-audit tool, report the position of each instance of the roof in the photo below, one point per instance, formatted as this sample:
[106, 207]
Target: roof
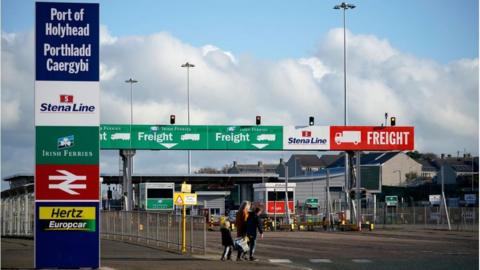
[428, 165]
[307, 160]
[373, 158]
[459, 164]
[330, 159]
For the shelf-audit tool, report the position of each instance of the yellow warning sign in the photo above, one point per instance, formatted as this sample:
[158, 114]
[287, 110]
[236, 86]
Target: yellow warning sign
[178, 198]
[185, 198]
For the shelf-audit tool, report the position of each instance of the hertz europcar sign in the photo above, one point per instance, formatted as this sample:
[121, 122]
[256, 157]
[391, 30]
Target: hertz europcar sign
[69, 218]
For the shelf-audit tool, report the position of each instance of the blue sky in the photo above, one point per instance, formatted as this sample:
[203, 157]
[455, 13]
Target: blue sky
[278, 59]
[441, 30]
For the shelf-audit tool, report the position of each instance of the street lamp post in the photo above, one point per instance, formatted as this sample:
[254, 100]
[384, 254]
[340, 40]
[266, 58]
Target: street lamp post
[188, 66]
[131, 82]
[345, 6]
[127, 155]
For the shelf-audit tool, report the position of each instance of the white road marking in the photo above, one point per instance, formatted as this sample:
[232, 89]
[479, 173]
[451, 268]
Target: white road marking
[280, 261]
[107, 268]
[361, 261]
[320, 261]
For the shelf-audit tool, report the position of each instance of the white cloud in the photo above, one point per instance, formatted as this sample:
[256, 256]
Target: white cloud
[440, 100]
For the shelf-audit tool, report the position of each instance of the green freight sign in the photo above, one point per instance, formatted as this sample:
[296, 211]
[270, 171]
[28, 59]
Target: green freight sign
[391, 200]
[164, 137]
[159, 204]
[66, 145]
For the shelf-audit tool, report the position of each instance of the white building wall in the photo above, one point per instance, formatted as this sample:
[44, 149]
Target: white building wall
[395, 169]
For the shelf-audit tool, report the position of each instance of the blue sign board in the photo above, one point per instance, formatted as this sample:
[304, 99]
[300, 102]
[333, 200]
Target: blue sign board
[67, 234]
[67, 73]
[67, 36]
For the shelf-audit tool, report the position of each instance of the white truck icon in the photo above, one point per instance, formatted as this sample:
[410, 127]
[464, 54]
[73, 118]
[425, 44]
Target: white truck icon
[266, 137]
[120, 136]
[191, 137]
[348, 137]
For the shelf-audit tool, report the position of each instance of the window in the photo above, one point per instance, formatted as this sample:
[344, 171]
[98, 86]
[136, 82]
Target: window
[215, 211]
[279, 195]
[160, 193]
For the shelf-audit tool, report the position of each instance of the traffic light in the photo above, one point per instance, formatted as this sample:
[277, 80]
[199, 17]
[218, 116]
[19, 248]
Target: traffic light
[172, 119]
[311, 120]
[258, 120]
[392, 121]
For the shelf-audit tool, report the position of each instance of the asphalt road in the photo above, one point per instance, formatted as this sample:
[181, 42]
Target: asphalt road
[115, 255]
[380, 249]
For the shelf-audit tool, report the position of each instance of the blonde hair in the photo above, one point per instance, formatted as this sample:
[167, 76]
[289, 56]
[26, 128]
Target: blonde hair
[245, 205]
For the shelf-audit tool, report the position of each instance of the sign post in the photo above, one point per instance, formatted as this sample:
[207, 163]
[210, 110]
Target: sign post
[67, 121]
[184, 199]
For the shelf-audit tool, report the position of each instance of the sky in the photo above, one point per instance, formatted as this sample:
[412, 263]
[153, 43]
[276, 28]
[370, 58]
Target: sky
[417, 60]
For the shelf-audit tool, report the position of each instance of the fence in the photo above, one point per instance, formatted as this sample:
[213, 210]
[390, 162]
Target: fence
[429, 217]
[18, 216]
[151, 228]
[154, 228]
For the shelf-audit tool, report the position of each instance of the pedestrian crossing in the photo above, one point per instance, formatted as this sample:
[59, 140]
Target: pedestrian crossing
[320, 261]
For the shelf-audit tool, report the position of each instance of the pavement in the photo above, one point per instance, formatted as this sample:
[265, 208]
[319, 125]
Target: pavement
[379, 249]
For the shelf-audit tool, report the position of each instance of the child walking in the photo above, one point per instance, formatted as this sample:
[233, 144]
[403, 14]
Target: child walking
[227, 241]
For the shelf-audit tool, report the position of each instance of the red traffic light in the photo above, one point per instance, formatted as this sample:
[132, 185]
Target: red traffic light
[258, 120]
[172, 119]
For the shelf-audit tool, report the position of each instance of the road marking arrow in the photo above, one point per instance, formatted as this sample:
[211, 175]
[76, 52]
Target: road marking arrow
[68, 178]
[260, 145]
[168, 145]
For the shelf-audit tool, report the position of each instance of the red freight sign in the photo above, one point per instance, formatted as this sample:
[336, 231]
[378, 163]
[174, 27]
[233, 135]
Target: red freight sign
[67, 182]
[371, 138]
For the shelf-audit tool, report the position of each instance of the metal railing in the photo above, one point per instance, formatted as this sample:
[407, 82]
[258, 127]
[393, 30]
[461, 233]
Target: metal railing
[154, 228]
[429, 217]
[17, 219]
[150, 228]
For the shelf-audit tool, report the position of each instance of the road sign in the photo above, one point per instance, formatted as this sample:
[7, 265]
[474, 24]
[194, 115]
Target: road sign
[180, 198]
[371, 178]
[67, 37]
[67, 228]
[158, 137]
[391, 200]
[156, 196]
[470, 198]
[186, 188]
[66, 145]
[273, 138]
[371, 138]
[67, 103]
[67, 95]
[435, 199]
[306, 137]
[67, 182]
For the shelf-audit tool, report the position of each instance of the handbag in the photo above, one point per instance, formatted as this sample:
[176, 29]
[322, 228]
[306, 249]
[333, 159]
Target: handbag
[241, 244]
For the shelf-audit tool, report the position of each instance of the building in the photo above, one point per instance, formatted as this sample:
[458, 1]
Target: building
[457, 169]
[303, 165]
[397, 168]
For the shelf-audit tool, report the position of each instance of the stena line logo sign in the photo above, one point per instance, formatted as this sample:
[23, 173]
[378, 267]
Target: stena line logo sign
[57, 101]
[306, 137]
[66, 104]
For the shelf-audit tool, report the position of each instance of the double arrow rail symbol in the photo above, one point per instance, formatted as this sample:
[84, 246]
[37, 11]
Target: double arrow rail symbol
[67, 184]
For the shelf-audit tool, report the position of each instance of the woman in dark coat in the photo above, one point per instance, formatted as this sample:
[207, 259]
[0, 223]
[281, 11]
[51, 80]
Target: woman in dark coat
[241, 223]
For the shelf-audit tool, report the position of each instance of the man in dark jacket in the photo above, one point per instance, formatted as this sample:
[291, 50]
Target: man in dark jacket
[254, 222]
